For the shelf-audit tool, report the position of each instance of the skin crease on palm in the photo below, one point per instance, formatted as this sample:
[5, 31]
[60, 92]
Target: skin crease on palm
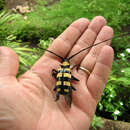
[28, 103]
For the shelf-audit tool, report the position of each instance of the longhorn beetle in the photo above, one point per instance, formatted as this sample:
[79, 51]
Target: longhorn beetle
[64, 76]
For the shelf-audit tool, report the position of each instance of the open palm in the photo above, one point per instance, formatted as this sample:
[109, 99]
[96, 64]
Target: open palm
[28, 103]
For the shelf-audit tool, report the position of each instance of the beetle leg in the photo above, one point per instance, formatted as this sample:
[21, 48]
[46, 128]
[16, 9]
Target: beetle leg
[73, 88]
[55, 88]
[68, 98]
[57, 96]
[74, 78]
[54, 73]
[77, 65]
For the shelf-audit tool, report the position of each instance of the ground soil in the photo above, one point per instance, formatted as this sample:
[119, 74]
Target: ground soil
[113, 125]
[13, 3]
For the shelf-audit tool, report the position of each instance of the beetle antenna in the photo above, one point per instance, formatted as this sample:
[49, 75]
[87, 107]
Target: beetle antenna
[96, 45]
[52, 53]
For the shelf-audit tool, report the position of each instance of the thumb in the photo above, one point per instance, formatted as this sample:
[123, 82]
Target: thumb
[9, 62]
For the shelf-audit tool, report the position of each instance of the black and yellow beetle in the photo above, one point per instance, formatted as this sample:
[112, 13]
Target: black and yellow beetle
[64, 81]
[64, 76]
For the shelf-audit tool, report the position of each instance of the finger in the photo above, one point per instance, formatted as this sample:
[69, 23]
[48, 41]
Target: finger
[98, 78]
[63, 44]
[90, 59]
[87, 38]
[9, 62]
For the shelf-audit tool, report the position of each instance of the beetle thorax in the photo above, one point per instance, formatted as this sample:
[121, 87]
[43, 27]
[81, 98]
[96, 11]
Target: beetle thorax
[65, 64]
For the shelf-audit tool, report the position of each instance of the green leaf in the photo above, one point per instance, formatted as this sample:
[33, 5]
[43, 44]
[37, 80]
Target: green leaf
[124, 81]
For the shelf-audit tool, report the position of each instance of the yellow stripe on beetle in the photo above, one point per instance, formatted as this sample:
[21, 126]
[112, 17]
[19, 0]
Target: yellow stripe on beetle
[67, 75]
[66, 90]
[59, 75]
[58, 89]
[65, 63]
[58, 83]
[66, 83]
[67, 69]
[60, 69]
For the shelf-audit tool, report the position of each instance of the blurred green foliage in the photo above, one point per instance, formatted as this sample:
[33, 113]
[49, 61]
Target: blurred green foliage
[5, 19]
[27, 55]
[2, 4]
[97, 122]
[115, 101]
[45, 22]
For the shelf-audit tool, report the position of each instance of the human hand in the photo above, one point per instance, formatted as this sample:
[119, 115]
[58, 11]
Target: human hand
[27, 103]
